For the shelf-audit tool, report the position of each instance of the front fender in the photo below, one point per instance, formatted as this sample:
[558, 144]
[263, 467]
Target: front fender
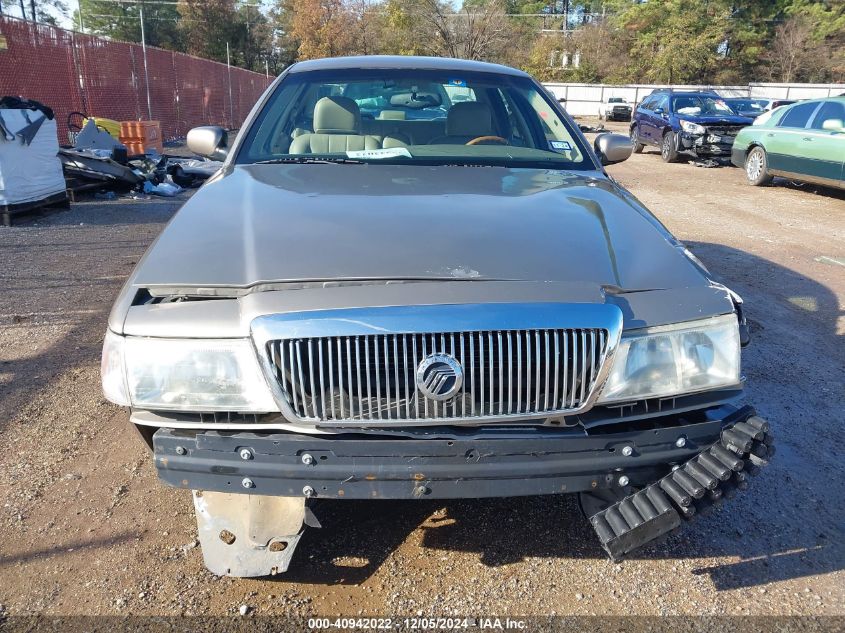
[741, 146]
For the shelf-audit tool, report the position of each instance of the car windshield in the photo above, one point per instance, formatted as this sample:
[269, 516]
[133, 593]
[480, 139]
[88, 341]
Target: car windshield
[616, 100]
[744, 105]
[425, 116]
[695, 105]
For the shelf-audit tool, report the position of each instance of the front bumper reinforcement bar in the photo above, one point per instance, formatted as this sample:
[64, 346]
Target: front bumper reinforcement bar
[493, 463]
[716, 473]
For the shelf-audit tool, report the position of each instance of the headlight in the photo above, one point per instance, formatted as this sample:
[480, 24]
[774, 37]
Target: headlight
[674, 360]
[692, 128]
[112, 375]
[184, 374]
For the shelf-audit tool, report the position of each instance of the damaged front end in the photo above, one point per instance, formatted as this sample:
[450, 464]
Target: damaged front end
[638, 480]
[711, 141]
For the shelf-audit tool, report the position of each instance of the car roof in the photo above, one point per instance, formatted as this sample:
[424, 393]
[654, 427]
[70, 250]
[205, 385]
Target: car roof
[702, 93]
[684, 92]
[402, 62]
[819, 100]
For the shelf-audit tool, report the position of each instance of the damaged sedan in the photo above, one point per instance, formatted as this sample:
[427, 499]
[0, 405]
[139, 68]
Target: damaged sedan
[413, 279]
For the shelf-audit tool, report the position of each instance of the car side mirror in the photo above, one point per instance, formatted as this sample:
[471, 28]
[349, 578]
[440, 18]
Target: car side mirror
[833, 125]
[613, 148]
[659, 111]
[209, 141]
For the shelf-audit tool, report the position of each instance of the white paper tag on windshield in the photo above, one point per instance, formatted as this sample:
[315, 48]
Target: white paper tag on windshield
[393, 152]
[560, 146]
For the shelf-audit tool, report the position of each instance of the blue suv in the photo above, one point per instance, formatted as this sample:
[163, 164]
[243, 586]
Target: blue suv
[696, 123]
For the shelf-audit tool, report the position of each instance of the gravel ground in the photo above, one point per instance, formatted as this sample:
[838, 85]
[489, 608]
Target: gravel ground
[86, 528]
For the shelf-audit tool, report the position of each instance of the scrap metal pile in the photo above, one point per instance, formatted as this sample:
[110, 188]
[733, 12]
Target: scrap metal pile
[108, 156]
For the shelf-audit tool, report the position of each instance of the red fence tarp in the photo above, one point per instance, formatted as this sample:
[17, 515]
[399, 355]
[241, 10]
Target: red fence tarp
[73, 72]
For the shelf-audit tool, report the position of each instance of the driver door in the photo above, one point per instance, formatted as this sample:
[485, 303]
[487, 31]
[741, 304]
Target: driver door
[658, 117]
[822, 148]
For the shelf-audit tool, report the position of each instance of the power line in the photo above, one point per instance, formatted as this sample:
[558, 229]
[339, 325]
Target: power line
[170, 2]
[147, 18]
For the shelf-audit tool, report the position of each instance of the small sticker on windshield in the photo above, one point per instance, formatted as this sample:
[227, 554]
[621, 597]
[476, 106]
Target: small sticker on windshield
[458, 82]
[560, 146]
[392, 152]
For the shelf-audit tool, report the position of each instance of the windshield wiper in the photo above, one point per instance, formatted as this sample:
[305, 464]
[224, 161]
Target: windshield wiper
[309, 160]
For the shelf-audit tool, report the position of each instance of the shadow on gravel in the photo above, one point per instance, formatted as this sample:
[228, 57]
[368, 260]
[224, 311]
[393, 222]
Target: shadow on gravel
[798, 297]
[123, 210]
[778, 530]
[39, 267]
[68, 547]
[765, 569]
[819, 190]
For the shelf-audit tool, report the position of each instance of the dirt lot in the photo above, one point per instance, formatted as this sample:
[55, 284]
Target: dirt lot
[85, 527]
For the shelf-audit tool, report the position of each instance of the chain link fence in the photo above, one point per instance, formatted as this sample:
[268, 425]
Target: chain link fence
[73, 72]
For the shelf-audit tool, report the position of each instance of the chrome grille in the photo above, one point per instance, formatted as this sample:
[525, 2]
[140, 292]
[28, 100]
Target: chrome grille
[372, 377]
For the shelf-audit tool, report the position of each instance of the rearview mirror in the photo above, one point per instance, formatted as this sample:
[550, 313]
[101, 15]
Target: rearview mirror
[416, 100]
[658, 111]
[833, 125]
[209, 141]
[613, 148]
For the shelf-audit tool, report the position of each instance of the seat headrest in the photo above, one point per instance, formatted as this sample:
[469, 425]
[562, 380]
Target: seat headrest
[337, 115]
[469, 118]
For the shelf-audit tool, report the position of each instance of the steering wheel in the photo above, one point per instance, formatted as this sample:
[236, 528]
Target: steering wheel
[479, 139]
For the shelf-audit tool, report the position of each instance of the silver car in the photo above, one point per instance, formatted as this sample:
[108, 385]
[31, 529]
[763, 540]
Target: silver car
[413, 279]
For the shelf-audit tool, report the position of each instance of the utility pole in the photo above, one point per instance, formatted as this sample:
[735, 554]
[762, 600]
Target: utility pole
[81, 23]
[146, 72]
[566, 16]
[32, 9]
[247, 60]
[229, 72]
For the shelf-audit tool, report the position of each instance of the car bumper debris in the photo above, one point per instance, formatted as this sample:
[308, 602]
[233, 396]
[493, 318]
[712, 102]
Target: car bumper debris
[715, 143]
[716, 473]
[711, 461]
[247, 535]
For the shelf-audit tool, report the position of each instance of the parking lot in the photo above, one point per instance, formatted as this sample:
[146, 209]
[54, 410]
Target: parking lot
[86, 528]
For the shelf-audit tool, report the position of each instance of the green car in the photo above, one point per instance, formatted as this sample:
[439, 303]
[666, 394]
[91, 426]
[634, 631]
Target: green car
[804, 141]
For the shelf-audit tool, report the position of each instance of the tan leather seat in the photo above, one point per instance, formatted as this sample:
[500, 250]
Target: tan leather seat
[465, 121]
[337, 129]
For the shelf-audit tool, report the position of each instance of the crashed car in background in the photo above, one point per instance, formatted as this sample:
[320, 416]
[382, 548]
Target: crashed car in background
[699, 124]
[615, 109]
[407, 305]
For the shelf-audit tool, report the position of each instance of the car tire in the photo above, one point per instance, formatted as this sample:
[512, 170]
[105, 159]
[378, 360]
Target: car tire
[756, 167]
[668, 149]
[638, 147]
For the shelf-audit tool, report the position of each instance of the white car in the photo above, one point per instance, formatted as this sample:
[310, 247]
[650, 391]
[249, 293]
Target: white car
[615, 108]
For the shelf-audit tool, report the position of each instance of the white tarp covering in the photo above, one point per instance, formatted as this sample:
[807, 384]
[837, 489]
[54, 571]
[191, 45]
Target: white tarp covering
[29, 173]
